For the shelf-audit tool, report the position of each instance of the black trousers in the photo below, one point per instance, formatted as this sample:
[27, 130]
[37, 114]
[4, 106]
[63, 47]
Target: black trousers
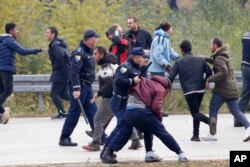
[60, 90]
[6, 87]
[194, 102]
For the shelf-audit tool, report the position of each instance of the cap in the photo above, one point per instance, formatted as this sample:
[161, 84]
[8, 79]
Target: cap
[138, 51]
[90, 33]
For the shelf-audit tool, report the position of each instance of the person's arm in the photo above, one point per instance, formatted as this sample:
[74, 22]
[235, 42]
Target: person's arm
[20, 50]
[159, 55]
[207, 70]
[157, 104]
[173, 72]
[148, 39]
[76, 65]
[173, 54]
[221, 67]
[117, 39]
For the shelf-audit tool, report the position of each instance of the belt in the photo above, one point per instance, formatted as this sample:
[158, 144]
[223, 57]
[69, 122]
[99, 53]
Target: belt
[85, 82]
[120, 97]
[245, 62]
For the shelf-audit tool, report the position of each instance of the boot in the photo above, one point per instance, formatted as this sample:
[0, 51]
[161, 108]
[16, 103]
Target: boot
[136, 144]
[103, 150]
[107, 156]
[212, 125]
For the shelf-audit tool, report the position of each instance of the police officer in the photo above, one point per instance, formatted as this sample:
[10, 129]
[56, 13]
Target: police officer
[60, 60]
[127, 75]
[82, 76]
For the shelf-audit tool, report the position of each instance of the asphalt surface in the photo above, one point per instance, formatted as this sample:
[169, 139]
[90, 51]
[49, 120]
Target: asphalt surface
[26, 141]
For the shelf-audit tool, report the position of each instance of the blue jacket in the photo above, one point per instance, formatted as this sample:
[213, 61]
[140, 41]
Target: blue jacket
[161, 52]
[8, 49]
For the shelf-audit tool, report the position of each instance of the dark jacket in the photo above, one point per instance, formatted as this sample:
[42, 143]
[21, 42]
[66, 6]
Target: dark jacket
[191, 70]
[60, 60]
[82, 66]
[106, 73]
[246, 47]
[140, 38]
[123, 79]
[8, 48]
[225, 82]
[152, 92]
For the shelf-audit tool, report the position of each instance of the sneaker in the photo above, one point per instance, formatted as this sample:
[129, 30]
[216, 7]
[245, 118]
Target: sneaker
[4, 117]
[92, 147]
[195, 138]
[209, 137]
[247, 136]
[182, 158]
[67, 142]
[89, 133]
[212, 125]
[151, 156]
[136, 144]
[61, 114]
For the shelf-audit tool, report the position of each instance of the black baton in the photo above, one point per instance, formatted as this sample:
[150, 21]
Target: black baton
[83, 113]
[145, 69]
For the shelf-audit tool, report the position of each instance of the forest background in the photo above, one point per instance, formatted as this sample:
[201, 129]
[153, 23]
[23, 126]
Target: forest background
[195, 20]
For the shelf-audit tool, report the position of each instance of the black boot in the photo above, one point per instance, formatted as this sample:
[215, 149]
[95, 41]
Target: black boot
[103, 150]
[108, 157]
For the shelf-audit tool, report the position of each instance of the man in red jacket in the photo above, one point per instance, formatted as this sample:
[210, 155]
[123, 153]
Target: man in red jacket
[144, 111]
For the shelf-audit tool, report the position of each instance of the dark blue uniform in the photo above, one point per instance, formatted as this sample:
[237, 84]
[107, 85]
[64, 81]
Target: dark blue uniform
[123, 81]
[82, 75]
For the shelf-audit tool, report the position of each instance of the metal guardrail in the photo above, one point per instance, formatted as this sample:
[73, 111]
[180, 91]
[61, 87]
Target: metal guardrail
[41, 83]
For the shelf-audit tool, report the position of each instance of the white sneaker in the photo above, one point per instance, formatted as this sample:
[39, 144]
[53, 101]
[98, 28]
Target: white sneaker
[151, 156]
[247, 135]
[209, 137]
[182, 158]
[4, 117]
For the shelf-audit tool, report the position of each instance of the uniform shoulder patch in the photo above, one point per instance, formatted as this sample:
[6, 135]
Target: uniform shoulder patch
[123, 70]
[77, 58]
[79, 49]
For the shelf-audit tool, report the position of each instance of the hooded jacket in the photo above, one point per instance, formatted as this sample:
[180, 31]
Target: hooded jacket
[152, 92]
[106, 73]
[225, 82]
[161, 52]
[59, 55]
[8, 48]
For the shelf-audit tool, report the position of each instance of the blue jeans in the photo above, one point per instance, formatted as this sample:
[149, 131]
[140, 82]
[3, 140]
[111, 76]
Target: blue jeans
[245, 94]
[75, 111]
[6, 87]
[217, 101]
[122, 132]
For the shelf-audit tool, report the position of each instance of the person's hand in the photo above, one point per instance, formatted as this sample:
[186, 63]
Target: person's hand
[168, 67]
[76, 94]
[94, 98]
[136, 79]
[207, 85]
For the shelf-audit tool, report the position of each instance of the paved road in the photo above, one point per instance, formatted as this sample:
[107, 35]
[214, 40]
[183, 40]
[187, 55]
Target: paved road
[35, 141]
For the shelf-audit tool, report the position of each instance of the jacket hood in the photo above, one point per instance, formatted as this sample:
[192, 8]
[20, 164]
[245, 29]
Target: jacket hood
[4, 36]
[58, 41]
[163, 81]
[161, 32]
[108, 58]
[223, 50]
